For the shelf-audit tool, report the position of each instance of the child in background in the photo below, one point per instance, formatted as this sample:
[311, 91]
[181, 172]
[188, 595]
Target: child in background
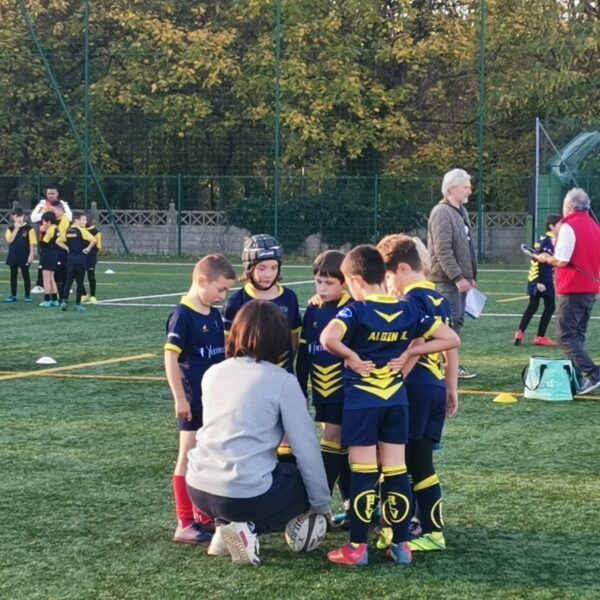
[48, 258]
[77, 242]
[21, 240]
[431, 387]
[325, 369]
[63, 222]
[262, 257]
[195, 341]
[92, 259]
[373, 335]
[540, 284]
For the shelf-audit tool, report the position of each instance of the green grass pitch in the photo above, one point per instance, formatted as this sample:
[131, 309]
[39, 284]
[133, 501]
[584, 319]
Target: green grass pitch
[86, 466]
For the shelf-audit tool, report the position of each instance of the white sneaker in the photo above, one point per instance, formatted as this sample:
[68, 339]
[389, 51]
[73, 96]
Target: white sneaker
[217, 546]
[242, 543]
[37, 290]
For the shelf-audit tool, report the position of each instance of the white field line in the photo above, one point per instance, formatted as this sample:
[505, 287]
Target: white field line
[133, 298]
[307, 266]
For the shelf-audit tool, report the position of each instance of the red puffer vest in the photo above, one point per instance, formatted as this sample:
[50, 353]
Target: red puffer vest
[586, 256]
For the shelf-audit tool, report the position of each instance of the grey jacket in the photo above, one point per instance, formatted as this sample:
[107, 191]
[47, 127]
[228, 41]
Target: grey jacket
[247, 408]
[451, 256]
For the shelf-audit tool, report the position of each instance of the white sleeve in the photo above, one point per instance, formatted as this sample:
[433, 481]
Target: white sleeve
[67, 210]
[565, 244]
[37, 212]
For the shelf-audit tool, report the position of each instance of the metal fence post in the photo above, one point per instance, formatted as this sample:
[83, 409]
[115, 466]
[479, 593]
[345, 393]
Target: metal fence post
[376, 209]
[179, 215]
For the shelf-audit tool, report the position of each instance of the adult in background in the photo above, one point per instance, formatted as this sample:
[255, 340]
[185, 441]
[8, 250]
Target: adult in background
[577, 261]
[249, 404]
[44, 205]
[453, 260]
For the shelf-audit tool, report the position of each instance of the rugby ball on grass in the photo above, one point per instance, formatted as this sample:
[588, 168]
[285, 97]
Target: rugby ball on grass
[305, 534]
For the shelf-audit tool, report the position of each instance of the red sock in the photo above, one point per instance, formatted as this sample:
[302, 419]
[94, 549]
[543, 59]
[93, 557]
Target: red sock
[201, 517]
[183, 505]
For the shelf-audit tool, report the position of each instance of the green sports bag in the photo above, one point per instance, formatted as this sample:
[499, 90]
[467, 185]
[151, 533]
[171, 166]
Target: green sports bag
[551, 379]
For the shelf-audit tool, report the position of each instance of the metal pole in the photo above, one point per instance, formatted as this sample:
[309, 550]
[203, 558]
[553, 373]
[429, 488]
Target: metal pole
[482, 118]
[277, 133]
[69, 118]
[376, 208]
[536, 191]
[86, 99]
[179, 214]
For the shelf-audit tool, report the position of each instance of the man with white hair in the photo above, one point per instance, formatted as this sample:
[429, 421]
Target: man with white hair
[577, 261]
[453, 260]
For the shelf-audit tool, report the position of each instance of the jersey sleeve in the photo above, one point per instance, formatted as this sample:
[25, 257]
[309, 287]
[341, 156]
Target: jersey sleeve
[7, 235]
[49, 235]
[177, 332]
[348, 317]
[99, 240]
[231, 309]
[427, 325]
[62, 238]
[32, 238]
[296, 318]
[87, 236]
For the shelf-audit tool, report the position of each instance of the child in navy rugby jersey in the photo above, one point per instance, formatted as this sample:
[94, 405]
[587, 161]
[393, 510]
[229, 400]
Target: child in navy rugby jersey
[22, 241]
[325, 369]
[195, 342]
[373, 335]
[431, 386]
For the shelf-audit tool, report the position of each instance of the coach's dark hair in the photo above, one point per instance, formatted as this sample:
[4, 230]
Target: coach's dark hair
[552, 220]
[329, 264]
[214, 266]
[77, 214]
[365, 261]
[50, 217]
[399, 248]
[17, 211]
[259, 330]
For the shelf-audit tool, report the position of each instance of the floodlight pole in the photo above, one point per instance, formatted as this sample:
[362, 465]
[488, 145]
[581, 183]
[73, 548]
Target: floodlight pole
[536, 191]
[277, 132]
[482, 118]
[86, 101]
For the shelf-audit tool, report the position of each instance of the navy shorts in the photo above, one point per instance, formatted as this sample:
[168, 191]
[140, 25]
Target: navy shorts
[195, 423]
[48, 260]
[192, 386]
[533, 291]
[427, 411]
[368, 426]
[329, 413]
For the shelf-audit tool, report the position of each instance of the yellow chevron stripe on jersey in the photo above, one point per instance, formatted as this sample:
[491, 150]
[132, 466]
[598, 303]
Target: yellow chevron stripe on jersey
[380, 383]
[325, 385]
[436, 301]
[432, 363]
[325, 370]
[326, 378]
[383, 372]
[327, 393]
[389, 318]
[384, 394]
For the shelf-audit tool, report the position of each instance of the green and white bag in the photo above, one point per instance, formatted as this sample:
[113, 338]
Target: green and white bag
[551, 379]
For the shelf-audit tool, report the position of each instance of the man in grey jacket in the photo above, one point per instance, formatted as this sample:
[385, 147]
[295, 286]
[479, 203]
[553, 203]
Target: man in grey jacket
[453, 259]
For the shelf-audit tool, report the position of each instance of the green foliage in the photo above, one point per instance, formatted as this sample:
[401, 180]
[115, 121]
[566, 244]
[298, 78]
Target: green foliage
[367, 87]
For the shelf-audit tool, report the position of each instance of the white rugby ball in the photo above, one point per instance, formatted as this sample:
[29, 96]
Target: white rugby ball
[304, 535]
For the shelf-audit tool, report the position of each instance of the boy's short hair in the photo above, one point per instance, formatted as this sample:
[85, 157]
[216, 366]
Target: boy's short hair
[552, 220]
[57, 204]
[89, 217]
[17, 211]
[259, 330]
[214, 266]
[77, 214]
[329, 264]
[401, 248]
[365, 261]
[50, 217]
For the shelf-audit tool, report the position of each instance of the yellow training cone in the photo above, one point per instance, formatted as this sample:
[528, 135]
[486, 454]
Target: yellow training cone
[505, 398]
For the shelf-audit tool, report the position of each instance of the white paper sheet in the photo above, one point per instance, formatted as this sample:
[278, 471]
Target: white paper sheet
[475, 303]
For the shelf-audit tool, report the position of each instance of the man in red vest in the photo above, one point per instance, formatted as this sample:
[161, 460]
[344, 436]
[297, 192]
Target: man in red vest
[577, 261]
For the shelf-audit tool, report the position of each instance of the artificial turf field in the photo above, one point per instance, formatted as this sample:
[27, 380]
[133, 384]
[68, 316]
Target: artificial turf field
[87, 455]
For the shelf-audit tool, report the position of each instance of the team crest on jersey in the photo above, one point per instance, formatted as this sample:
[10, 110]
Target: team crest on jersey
[284, 309]
[205, 328]
[345, 313]
[315, 324]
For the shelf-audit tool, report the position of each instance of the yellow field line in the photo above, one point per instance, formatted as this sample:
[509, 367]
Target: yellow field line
[97, 363]
[520, 394]
[512, 299]
[107, 377]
